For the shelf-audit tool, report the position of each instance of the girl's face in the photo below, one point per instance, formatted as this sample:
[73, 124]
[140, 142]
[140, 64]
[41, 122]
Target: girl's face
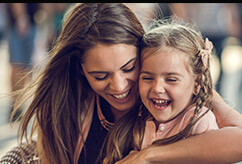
[165, 84]
[112, 72]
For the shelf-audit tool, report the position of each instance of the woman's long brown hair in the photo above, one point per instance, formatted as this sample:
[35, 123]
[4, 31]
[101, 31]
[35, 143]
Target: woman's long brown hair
[60, 95]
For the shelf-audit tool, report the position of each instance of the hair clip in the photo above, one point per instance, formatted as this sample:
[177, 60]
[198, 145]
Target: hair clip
[206, 52]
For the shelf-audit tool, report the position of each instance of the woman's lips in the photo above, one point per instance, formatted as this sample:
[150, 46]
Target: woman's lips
[121, 98]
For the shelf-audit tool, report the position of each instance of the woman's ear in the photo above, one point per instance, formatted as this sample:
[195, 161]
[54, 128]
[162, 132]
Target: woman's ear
[81, 70]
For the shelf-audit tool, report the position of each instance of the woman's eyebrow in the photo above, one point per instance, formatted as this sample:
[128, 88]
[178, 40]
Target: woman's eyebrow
[98, 72]
[105, 72]
[128, 62]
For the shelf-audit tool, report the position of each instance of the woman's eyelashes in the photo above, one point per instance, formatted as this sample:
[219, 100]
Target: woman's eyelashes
[104, 77]
[129, 69]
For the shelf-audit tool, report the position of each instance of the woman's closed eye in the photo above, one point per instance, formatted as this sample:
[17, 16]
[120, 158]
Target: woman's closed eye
[99, 78]
[129, 69]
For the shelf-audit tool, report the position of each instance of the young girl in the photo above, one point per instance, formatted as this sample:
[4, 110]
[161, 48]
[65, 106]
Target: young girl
[175, 84]
[175, 87]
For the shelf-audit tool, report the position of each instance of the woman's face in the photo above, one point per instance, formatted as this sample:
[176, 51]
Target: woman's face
[112, 72]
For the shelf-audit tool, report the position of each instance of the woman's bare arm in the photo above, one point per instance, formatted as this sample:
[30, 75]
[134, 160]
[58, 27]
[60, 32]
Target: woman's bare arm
[225, 115]
[218, 146]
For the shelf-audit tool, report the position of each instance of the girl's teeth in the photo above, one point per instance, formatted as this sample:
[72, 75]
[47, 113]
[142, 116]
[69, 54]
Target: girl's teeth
[160, 101]
[121, 96]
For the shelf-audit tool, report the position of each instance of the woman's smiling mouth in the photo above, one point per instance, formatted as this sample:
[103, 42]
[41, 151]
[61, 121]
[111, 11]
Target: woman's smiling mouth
[121, 96]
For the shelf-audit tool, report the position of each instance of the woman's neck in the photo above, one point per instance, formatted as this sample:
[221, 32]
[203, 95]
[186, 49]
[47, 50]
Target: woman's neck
[118, 113]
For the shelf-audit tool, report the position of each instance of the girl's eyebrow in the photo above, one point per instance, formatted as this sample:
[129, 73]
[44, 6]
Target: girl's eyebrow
[128, 62]
[169, 73]
[146, 72]
[175, 73]
[105, 72]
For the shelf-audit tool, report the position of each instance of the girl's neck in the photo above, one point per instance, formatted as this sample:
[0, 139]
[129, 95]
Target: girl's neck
[187, 108]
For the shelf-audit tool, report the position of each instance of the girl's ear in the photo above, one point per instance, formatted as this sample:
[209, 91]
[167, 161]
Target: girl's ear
[197, 86]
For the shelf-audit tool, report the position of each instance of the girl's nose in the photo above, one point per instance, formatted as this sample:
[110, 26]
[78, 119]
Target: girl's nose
[158, 87]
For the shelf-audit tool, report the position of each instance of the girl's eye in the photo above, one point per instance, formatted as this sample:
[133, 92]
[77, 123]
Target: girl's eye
[129, 70]
[102, 78]
[171, 80]
[147, 78]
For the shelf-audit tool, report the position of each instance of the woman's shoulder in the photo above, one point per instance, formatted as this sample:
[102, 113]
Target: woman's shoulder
[22, 153]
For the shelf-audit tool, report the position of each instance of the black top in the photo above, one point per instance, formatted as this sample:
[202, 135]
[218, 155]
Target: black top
[96, 136]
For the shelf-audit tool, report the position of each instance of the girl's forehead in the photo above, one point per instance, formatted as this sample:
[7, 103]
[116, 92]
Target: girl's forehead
[164, 56]
[151, 51]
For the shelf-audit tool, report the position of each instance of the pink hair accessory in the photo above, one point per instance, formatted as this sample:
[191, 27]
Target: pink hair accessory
[206, 52]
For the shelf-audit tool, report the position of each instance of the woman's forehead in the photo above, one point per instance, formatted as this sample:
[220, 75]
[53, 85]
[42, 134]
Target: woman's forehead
[103, 54]
[114, 52]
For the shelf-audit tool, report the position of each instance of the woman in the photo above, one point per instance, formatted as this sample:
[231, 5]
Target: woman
[89, 83]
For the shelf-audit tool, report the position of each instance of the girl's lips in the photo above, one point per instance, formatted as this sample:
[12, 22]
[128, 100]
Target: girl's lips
[160, 104]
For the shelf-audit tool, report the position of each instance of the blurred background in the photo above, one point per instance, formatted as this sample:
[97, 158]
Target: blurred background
[27, 31]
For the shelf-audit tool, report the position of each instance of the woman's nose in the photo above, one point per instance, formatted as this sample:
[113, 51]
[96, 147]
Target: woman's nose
[118, 82]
